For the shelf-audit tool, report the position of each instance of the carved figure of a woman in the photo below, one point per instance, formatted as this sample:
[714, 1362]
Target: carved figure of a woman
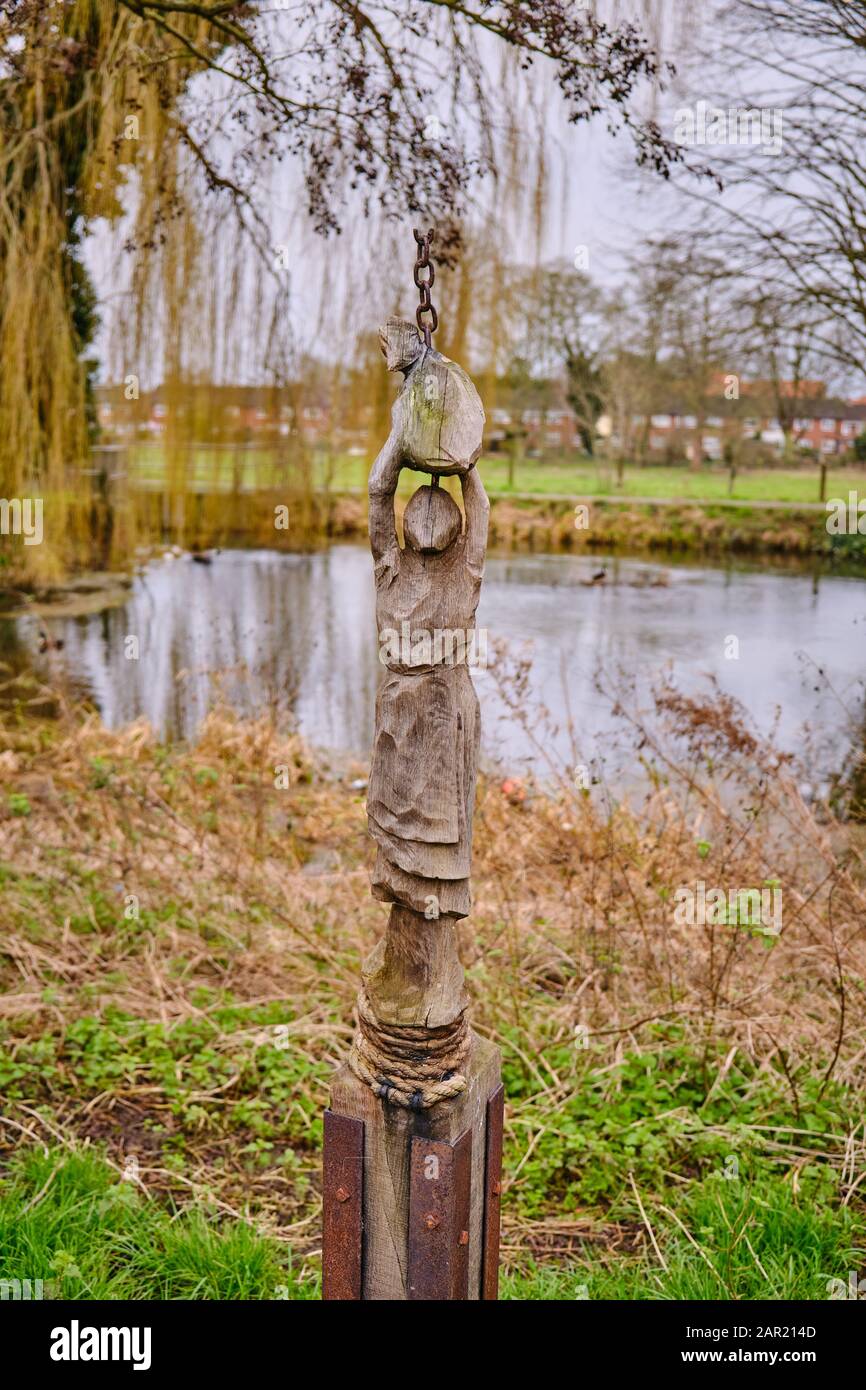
[425, 752]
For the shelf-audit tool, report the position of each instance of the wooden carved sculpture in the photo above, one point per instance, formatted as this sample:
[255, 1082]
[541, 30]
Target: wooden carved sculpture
[413, 1136]
[422, 782]
[425, 752]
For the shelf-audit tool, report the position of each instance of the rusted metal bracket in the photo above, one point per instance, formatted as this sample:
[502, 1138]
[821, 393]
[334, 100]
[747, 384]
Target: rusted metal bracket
[492, 1194]
[342, 1207]
[440, 1205]
[440, 1185]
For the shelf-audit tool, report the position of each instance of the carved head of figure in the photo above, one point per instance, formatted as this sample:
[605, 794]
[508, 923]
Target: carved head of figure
[401, 344]
[431, 521]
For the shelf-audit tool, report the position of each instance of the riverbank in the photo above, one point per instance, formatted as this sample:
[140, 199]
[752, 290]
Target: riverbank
[556, 523]
[538, 522]
[672, 526]
[716, 530]
[183, 936]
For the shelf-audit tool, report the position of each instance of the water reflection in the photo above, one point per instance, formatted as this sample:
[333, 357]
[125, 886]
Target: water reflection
[300, 630]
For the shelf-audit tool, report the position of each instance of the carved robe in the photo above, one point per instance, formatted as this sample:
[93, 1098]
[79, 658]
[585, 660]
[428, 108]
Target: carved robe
[425, 755]
[425, 752]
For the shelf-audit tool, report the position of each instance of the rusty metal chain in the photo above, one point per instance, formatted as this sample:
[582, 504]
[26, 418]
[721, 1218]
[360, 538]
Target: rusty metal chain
[423, 262]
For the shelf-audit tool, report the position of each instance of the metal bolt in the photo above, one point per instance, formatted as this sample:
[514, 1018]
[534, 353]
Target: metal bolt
[496, 1188]
[464, 1238]
[431, 1221]
[342, 1195]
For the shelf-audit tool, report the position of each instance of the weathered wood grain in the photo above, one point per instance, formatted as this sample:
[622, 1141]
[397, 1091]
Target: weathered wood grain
[413, 977]
[438, 418]
[422, 1090]
[425, 752]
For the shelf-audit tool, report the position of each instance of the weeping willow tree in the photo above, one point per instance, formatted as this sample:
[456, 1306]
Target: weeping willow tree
[80, 82]
[163, 119]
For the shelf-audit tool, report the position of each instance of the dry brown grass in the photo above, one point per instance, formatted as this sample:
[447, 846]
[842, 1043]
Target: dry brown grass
[263, 894]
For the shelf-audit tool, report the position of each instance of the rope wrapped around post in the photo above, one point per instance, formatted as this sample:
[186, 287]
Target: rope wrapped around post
[409, 1066]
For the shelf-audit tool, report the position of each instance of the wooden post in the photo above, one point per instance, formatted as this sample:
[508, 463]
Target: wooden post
[419, 1097]
[513, 443]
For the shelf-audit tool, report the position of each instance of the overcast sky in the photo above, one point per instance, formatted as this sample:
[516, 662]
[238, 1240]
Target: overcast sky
[597, 200]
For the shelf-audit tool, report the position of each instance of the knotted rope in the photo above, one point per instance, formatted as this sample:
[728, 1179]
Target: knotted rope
[406, 1065]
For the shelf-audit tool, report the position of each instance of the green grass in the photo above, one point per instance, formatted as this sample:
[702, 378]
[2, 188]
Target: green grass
[220, 467]
[269, 1096]
[583, 477]
[93, 1235]
[741, 1193]
[753, 1241]
[734, 1181]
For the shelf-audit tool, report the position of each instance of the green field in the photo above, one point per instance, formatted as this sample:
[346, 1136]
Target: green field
[224, 468]
[586, 478]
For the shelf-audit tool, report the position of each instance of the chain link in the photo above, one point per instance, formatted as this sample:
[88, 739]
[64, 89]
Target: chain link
[425, 285]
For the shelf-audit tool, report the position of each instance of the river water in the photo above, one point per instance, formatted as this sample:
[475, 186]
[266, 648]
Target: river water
[260, 626]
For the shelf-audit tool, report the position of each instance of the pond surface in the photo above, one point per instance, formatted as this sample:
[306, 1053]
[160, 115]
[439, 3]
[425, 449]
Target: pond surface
[300, 630]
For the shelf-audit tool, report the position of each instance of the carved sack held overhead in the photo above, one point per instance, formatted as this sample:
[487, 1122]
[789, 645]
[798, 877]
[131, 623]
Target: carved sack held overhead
[437, 419]
[444, 417]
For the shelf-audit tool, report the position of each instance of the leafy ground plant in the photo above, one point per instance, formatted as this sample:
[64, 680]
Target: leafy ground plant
[179, 961]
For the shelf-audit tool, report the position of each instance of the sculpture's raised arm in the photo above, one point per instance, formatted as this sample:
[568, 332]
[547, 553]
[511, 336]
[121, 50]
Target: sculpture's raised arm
[402, 346]
[381, 487]
[477, 508]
